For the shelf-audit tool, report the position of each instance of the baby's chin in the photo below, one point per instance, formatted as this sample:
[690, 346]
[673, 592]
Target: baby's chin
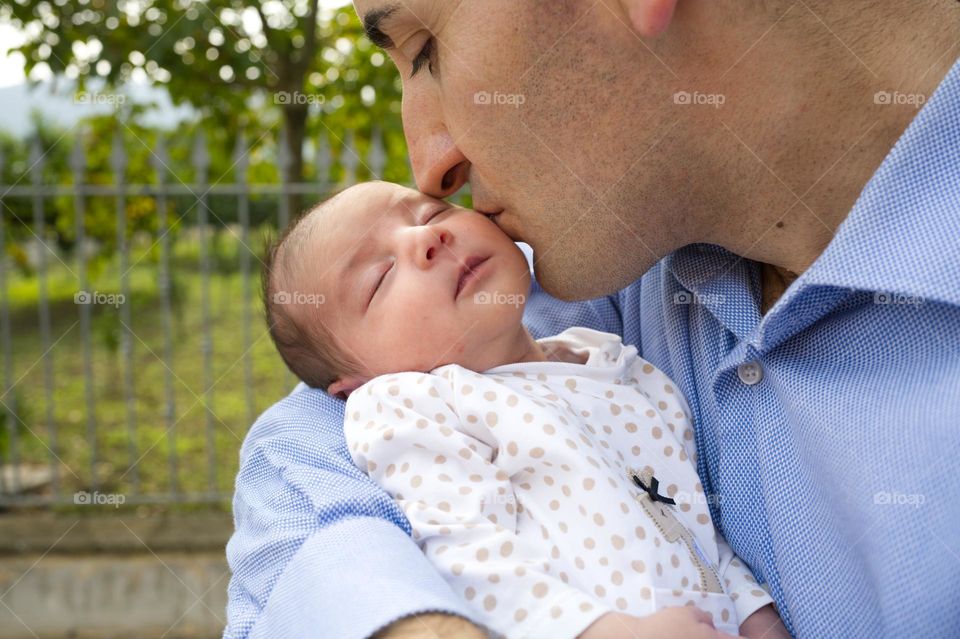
[508, 344]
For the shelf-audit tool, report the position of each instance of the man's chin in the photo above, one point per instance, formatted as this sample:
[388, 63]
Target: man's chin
[577, 285]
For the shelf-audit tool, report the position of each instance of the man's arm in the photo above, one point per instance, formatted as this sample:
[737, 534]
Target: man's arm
[431, 626]
[319, 549]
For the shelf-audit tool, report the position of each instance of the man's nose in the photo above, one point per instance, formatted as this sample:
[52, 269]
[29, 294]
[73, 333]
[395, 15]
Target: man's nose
[428, 244]
[439, 166]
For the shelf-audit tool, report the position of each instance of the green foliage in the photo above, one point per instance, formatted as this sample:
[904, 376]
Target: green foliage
[345, 89]
[240, 64]
[150, 373]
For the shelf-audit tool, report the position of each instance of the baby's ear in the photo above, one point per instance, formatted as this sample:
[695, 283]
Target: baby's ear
[345, 385]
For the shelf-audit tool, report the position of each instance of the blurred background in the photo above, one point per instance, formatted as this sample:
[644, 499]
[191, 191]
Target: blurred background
[148, 149]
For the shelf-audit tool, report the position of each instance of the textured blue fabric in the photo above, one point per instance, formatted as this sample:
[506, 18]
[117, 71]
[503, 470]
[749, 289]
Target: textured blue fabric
[835, 476]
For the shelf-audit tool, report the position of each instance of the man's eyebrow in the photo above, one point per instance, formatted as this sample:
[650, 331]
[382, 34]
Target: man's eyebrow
[372, 22]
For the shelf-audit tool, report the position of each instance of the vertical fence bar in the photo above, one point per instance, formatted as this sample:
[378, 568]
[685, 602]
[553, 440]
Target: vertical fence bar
[160, 163]
[348, 159]
[377, 157]
[39, 228]
[78, 166]
[322, 163]
[10, 479]
[9, 398]
[243, 208]
[284, 161]
[118, 161]
[201, 164]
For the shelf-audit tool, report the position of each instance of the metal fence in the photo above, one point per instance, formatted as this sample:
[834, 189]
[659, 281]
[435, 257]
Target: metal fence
[87, 423]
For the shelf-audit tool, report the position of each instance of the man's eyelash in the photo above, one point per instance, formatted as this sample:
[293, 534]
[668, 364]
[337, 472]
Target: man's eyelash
[424, 57]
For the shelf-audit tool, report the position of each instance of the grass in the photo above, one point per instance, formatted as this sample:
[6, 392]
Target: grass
[119, 465]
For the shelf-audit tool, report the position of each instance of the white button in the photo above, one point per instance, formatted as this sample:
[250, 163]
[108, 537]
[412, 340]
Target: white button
[750, 373]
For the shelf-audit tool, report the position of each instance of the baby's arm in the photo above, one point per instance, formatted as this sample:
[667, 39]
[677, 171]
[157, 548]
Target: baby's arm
[462, 507]
[758, 617]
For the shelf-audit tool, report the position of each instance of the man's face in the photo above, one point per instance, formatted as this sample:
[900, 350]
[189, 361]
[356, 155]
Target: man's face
[550, 110]
[411, 282]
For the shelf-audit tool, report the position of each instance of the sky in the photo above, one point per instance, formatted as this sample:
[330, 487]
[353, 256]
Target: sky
[11, 66]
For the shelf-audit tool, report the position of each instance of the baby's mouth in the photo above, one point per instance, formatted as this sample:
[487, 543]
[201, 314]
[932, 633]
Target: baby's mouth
[468, 272]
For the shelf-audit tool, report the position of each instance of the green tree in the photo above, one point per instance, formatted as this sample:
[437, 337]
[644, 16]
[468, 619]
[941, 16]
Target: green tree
[230, 59]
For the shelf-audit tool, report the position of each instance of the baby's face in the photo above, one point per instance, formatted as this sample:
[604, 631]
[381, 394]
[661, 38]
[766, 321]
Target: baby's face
[411, 282]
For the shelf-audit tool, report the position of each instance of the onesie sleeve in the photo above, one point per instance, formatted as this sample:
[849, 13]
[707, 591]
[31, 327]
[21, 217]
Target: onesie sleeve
[748, 595]
[404, 430]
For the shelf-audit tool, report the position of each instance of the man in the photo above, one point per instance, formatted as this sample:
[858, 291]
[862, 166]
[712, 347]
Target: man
[763, 168]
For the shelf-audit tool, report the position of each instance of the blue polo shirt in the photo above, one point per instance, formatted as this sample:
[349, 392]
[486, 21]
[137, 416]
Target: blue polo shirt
[828, 430]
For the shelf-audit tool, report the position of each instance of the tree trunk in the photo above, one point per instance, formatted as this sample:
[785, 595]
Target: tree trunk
[295, 121]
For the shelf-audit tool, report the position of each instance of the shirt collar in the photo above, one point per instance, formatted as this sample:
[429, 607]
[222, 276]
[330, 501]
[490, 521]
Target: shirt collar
[902, 236]
[716, 278]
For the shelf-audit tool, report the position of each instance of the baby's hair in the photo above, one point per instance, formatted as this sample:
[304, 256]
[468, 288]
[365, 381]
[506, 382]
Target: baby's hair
[303, 341]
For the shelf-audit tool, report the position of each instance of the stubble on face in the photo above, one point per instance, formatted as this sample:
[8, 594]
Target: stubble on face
[576, 171]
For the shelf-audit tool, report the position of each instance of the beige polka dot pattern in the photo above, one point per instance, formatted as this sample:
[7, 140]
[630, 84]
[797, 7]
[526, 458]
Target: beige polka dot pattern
[527, 509]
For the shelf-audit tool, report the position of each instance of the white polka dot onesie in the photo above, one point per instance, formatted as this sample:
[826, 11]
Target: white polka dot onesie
[541, 490]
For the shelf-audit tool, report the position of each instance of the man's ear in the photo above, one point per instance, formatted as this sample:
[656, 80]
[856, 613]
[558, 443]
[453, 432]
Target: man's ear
[650, 18]
[343, 386]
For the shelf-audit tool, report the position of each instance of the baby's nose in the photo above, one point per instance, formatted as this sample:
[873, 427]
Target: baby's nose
[430, 242]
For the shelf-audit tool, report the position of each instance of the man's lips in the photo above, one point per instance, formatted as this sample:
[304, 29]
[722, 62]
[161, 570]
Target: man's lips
[492, 213]
[470, 270]
[495, 217]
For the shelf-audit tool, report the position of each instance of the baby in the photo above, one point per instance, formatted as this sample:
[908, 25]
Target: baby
[551, 482]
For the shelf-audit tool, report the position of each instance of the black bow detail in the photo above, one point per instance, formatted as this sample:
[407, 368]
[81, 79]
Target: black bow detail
[652, 490]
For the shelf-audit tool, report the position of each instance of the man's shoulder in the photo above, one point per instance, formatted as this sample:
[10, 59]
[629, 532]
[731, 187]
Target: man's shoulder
[306, 413]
